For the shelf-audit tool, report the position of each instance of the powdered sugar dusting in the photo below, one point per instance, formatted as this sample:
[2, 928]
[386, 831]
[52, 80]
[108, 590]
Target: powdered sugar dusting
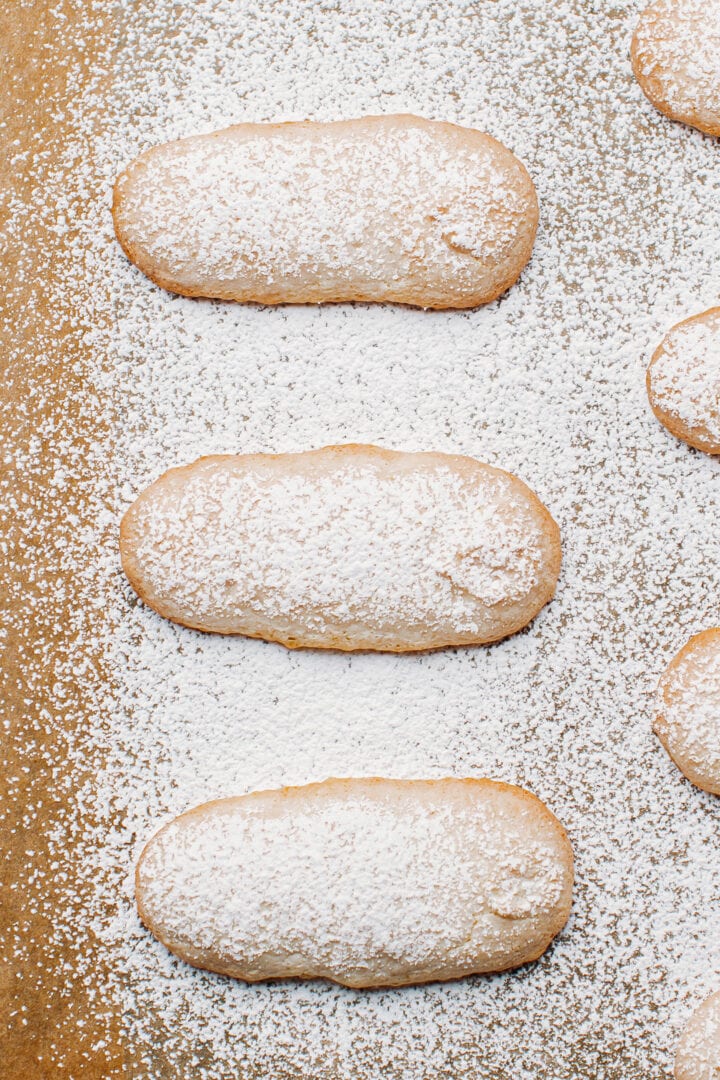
[685, 378]
[383, 208]
[141, 719]
[345, 880]
[349, 547]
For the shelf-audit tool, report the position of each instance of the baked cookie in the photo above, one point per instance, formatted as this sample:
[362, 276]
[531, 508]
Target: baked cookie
[348, 547]
[698, 1052]
[365, 882]
[683, 381]
[676, 59]
[384, 208]
[688, 719]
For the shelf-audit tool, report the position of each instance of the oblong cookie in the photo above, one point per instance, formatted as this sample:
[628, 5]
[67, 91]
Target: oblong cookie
[688, 719]
[676, 59]
[366, 882]
[683, 381]
[383, 208]
[698, 1052]
[348, 547]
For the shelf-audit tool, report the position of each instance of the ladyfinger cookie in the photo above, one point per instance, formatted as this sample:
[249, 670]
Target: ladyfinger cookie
[698, 1052]
[683, 381]
[383, 208]
[347, 547]
[688, 717]
[366, 882]
[676, 59]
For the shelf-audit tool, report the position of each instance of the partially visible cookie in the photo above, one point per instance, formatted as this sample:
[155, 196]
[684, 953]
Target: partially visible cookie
[683, 381]
[368, 882]
[688, 720]
[698, 1052]
[676, 59]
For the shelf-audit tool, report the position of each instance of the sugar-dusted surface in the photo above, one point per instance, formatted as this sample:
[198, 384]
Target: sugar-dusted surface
[548, 383]
[384, 208]
[699, 1049]
[684, 380]
[676, 55]
[348, 547]
[688, 721]
[345, 879]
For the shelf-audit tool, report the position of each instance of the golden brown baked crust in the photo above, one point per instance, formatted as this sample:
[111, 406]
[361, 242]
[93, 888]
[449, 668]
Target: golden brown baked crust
[347, 547]
[683, 381]
[383, 208]
[366, 882]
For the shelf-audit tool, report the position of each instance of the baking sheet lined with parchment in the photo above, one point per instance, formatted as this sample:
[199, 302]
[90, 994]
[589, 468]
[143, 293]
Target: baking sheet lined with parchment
[116, 720]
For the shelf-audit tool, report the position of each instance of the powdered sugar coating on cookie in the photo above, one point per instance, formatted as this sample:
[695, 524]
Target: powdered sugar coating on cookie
[366, 882]
[683, 381]
[348, 547]
[676, 59]
[698, 1053]
[386, 208]
[688, 721]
